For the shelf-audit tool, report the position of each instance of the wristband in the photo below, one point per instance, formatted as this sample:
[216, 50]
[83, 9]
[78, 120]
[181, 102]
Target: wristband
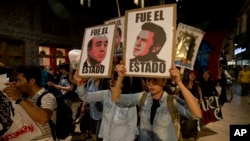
[19, 100]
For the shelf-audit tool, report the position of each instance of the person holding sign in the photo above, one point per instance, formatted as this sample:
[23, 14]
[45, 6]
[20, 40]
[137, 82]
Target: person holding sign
[96, 51]
[149, 43]
[118, 123]
[155, 120]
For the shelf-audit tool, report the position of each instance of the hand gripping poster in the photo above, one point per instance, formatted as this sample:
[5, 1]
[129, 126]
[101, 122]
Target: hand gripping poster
[188, 40]
[150, 40]
[97, 51]
[15, 123]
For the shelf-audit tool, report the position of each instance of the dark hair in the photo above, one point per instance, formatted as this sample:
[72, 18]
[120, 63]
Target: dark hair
[30, 72]
[159, 33]
[194, 72]
[65, 66]
[8, 70]
[90, 43]
[119, 30]
[245, 66]
[132, 87]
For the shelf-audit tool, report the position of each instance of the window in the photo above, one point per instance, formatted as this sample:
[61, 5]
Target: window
[11, 52]
[51, 57]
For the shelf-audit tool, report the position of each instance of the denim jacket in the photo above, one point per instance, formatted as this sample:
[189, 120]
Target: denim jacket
[94, 113]
[118, 124]
[162, 128]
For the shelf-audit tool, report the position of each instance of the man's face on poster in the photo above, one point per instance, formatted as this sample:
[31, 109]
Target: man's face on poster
[143, 43]
[117, 40]
[187, 40]
[99, 48]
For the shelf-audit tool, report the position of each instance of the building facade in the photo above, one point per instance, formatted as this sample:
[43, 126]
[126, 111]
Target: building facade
[37, 32]
[242, 37]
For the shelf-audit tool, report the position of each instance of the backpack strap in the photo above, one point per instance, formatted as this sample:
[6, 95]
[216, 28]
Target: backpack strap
[143, 98]
[142, 101]
[175, 119]
[51, 124]
[38, 102]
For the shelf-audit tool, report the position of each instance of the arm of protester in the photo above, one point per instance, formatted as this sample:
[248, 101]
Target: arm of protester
[81, 82]
[69, 87]
[116, 85]
[41, 114]
[71, 76]
[84, 104]
[191, 101]
[200, 94]
[37, 113]
[228, 76]
[86, 96]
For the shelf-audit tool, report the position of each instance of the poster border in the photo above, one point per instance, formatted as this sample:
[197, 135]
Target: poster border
[110, 67]
[174, 6]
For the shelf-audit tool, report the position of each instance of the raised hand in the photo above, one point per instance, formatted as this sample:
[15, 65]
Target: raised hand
[12, 91]
[121, 70]
[175, 74]
[79, 79]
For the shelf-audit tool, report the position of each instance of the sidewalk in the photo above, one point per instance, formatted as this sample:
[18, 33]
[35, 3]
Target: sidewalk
[236, 112]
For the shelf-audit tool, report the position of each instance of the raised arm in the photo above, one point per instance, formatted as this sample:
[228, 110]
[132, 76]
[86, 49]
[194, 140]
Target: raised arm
[116, 85]
[191, 101]
[81, 82]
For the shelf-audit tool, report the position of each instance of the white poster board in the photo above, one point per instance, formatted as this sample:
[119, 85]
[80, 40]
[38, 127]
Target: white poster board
[97, 51]
[150, 40]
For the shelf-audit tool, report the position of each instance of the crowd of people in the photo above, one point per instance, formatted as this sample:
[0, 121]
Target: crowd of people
[109, 108]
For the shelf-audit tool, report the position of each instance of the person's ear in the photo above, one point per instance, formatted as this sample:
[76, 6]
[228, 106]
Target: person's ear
[157, 49]
[32, 81]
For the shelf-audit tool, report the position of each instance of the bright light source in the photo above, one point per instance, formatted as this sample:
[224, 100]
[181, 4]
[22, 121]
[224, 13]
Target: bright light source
[74, 57]
[136, 2]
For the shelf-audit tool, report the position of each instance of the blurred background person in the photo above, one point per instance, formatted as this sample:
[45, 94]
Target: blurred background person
[244, 79]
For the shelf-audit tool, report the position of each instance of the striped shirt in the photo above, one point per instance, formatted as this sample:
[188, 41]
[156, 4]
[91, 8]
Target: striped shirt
[48, 101]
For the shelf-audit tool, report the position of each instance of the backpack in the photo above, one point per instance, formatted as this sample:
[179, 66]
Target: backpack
[184, 127]
[64, 121]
